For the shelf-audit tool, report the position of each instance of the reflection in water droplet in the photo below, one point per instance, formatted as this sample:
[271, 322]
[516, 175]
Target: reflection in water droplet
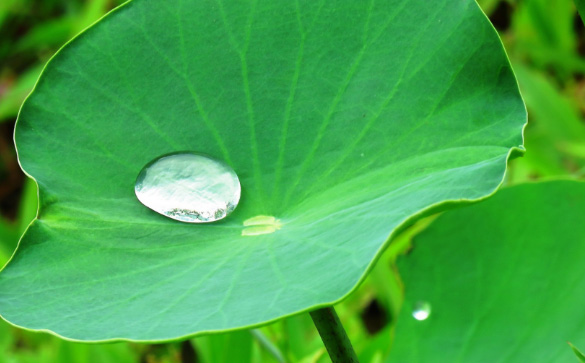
[189, 187]
[422, 310]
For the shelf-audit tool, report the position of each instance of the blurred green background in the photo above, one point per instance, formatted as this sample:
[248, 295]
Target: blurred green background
[545, 40]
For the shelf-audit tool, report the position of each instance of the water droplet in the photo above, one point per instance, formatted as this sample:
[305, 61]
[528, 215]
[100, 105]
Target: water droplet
[422, 310]
[189, 187]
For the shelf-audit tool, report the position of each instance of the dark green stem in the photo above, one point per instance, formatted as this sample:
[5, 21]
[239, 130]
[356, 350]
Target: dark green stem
[333, 336]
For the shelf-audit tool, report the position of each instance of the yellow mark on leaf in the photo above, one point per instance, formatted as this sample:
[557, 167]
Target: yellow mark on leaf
[260, 225]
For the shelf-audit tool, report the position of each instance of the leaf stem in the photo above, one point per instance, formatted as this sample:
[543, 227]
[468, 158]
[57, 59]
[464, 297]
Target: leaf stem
[333, 335]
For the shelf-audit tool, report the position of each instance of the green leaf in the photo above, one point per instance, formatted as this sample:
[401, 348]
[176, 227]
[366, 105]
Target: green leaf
[544, 34]
[555, 131]
[266, 344]
[225, 348]
[66, 352]
[504, 279]
[13, 95]
[46, 34]
[27, 208]
[488, 6]
[343, 121]
[581, 8]
[580, 356]
[5, 9]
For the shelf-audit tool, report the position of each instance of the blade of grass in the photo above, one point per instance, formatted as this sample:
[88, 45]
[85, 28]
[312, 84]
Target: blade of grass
[267, 345]
[578, 353]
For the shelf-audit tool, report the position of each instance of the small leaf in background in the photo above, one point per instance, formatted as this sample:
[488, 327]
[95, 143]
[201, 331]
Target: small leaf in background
[30, 32]
[504, 278]
[488, 6]
[554, 132]
[543, 33]
[578, 353]
[225, 348]
[581, 8]
[12, 93]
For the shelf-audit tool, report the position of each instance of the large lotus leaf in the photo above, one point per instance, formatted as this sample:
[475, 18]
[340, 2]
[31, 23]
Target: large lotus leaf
[504, 279]
[342, 119]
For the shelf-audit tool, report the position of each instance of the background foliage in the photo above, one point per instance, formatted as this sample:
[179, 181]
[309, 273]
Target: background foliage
[546, 43]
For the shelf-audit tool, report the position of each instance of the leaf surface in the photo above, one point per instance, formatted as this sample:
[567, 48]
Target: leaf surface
[504, 278]
[342, 120]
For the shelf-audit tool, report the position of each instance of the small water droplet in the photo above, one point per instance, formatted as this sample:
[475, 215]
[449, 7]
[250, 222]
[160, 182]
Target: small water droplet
[422, 310]
[189, 187]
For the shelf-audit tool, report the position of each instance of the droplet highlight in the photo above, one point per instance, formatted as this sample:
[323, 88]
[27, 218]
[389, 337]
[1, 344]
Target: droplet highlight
[421, 310]
[189, 187]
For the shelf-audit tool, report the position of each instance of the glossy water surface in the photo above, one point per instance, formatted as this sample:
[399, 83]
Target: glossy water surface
[422, 310]
[189, 187]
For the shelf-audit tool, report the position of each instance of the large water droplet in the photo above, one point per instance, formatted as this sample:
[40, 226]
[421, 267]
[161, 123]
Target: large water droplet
[189, 187]
[422, 310]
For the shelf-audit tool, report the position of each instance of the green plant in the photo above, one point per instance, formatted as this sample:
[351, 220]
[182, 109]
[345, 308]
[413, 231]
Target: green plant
[403, 121]
[578, 353]
[30, 32]
[581, 7]
[505, 285]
